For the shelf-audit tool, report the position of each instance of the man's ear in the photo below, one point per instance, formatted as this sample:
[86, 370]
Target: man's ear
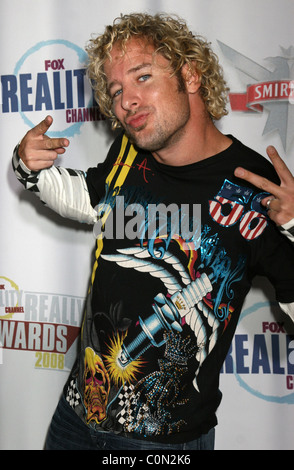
[191, 78]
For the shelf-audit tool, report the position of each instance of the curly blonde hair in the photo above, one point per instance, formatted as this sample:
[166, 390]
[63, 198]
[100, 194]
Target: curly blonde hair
[171, 38]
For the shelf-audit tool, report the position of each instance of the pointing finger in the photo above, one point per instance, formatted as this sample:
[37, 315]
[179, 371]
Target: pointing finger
[55, 144]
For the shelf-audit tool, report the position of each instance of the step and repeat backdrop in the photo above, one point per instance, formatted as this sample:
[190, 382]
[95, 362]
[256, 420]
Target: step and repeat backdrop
[45, 261]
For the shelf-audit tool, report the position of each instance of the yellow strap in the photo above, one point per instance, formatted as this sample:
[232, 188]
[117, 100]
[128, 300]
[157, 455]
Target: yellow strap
[125, 168]
[118, 160]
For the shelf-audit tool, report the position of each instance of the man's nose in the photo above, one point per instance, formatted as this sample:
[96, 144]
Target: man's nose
[130, 99]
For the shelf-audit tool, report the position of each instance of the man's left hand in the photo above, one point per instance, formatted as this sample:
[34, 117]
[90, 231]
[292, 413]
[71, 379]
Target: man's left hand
[280, 204]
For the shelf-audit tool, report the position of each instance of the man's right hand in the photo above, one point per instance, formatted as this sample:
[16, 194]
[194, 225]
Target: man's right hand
[37, 150]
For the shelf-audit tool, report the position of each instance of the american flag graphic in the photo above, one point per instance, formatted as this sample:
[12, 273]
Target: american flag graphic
[215, 209]
[252, 225]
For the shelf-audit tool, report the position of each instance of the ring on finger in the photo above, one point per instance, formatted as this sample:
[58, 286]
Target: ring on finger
[268, 203]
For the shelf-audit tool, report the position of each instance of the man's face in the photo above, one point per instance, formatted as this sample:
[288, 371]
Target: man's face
[146, 99]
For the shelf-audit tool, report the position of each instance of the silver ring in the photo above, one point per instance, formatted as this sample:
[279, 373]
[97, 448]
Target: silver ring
[268, 203]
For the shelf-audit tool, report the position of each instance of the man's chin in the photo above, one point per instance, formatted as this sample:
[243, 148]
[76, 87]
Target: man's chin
[137, 139]
[142, 141]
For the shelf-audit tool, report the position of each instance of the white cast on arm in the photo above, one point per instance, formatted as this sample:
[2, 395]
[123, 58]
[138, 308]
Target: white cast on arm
[64, 191]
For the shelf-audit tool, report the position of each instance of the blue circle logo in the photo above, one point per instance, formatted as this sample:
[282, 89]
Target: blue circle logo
[70, 53]
[272, 351]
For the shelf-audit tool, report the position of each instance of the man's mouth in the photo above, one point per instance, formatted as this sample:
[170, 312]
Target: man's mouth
[137, 121]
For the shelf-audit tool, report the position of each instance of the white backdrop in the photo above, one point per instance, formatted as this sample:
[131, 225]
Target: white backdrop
[46, 260]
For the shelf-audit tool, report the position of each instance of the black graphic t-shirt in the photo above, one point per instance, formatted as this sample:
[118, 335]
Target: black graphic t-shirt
[177, 249]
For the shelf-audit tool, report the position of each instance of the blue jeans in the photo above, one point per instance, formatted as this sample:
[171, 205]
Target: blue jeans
[68, 432]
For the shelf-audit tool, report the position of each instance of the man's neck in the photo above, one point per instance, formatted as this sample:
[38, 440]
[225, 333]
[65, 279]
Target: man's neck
[193, 146]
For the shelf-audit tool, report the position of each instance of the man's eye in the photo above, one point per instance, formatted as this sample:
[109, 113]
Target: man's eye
[145, 77]
[118, 92]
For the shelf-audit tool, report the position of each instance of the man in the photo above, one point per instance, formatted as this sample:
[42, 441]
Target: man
[168, 285]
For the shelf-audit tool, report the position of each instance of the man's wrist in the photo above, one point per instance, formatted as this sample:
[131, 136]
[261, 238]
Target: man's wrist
[26, 176]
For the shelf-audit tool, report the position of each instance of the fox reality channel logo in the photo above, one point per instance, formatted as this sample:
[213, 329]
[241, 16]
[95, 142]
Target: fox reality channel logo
[268, 89]
[261, 356]
[50, 78]
[45, 324]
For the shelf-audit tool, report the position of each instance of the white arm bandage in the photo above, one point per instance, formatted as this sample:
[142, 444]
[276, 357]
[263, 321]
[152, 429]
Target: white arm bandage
[65, 191]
